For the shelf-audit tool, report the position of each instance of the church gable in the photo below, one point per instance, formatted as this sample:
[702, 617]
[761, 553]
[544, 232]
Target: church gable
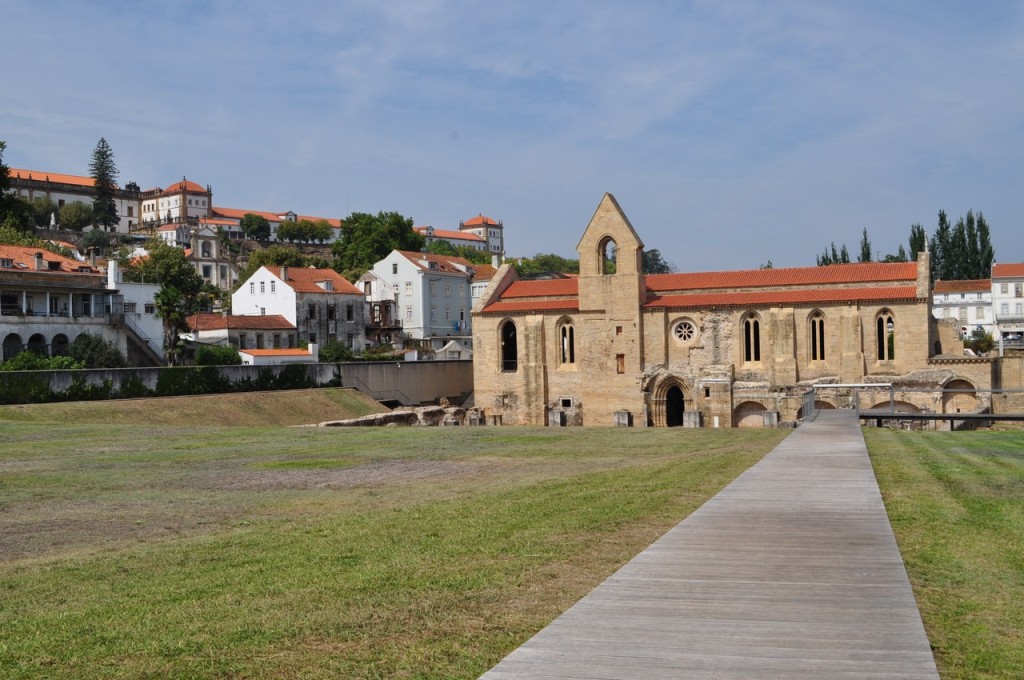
[609, 231]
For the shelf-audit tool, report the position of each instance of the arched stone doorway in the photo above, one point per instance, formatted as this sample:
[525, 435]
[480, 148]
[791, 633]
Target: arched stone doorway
[675, 406]
[960, 398]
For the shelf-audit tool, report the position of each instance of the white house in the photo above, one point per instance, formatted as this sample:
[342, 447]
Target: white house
[1008, 303]
[320, 303]
[457, 238]
[493, 232]
[63, 188]
[970, 302]
[277, 357]
[272, 331]
[431, 296]
[139, 304]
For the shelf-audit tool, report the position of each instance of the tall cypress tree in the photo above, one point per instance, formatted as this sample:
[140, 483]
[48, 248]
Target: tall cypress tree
[104, 175]
[918, 240]
[941, 254]
[959, 267]
[865, 248]
[986, 254]
[972, 257]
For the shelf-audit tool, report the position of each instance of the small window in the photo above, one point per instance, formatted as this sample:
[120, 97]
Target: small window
[263, 311]
[1018, 290]
[129, 307]
[620, 363]
[312, 311]
[273, 286]
[885, 336]
[447, 290]
[277, 341]
[684, 331]
[565, 402]
[350, 313]
[149, 308]
[817, 337]
[408, 287]
[567, 343]
[751, 339]
[408, 313]
[394, 268]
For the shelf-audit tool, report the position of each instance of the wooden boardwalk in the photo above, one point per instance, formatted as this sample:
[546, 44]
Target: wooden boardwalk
[792, 571]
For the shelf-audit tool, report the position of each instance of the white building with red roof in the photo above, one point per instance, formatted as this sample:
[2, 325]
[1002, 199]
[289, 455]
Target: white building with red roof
[319, 303]
[466, 239]
[1008, 302]
[271, 331]
[492, 231]
[63, 188]
[969, 303]
[430, 294]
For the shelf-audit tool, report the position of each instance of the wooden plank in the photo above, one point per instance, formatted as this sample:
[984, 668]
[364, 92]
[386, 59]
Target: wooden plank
[792, 571]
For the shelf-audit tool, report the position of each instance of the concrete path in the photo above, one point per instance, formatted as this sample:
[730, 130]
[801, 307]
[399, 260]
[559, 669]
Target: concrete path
[791, 571]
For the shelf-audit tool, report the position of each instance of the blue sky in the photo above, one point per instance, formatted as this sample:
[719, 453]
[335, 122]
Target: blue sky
[731, 132]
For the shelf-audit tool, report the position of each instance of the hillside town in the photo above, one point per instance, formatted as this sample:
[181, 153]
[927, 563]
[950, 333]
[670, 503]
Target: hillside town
[733, 348]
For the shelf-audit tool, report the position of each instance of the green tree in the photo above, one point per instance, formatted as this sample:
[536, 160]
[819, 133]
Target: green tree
[654, 264]
[104, 176]
[543, 264]
[213, 355]
[986, 254]
[43, 211]
[958, 265]
[900, 256]
[918, 240]
[256, 227]
[335, 351]
[321, 231]
[92, 351]
[182, 290]
[865, 247]
[941, 250]
[14, 212]
[367, 238]
[274, 256]
[75, 216]
[833, 256]
[443, 247]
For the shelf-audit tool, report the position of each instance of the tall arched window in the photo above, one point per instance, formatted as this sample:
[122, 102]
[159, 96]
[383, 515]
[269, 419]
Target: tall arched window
[885, 336]
[509, 348]
[751, 338]
[817, 336]
[608, 248]
[567, 342]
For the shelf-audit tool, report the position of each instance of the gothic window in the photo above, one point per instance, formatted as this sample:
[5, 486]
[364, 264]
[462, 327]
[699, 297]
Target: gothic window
[684, 331]
[751, 338]
[607, 249]
[817, 337]
[885, 336]
[567, 343]
[509, 348]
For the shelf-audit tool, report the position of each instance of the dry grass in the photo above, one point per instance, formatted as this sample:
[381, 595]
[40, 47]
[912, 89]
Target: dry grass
[171, 550]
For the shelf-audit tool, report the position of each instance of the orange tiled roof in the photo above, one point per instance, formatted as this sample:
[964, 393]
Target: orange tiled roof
[970, 286]
[483, 272]
[449, 234]
[504, 307]
[479, 221]
[185, 185]
[239, 213]
[868, 272]
[761, 298]
[23, 259]
[542, 288]
[444, 263]
[305, 280]
[276, 352]
[1014, 269]
[209, 321]
[56, 177]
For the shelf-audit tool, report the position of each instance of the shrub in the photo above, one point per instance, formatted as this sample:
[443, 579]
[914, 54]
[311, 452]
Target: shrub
[212, 355]
[335, 352]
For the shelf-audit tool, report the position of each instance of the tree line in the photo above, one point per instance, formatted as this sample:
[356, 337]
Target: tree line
[959, 252]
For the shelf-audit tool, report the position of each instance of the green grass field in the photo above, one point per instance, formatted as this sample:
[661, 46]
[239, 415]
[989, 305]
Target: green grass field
[956, 503]
[144, 546]
[178, 551]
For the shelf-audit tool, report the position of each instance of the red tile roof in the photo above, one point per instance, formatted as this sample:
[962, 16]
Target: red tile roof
[185, 185]
[305, 280]
[276, 352]
[971, 286]
[1014, 269]
[542, 288]
[479, 221]
[239, 213]
[483, 272]
[868, 272]
[503, 307]
[23, 259]
[208, 321]
[762, 298]
[449, 234]
[56, 177]
[444, 263]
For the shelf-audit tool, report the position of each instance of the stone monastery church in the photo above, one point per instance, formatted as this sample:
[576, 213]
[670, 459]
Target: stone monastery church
[739, 348]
